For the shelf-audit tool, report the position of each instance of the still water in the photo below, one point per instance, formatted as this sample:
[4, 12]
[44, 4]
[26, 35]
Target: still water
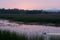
[28, 29]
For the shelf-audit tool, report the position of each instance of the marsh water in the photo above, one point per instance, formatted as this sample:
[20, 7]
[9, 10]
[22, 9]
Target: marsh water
[27, 29]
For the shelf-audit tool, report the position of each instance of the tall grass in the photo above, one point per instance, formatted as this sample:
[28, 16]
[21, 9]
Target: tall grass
[37, 37]
[6, 35]
[55, 38]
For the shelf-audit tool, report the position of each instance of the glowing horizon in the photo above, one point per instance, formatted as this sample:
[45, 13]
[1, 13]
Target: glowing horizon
[30, 4]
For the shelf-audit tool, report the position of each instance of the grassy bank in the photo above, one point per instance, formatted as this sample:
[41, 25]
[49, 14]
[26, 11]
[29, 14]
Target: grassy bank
[32, 18]
[6, 35]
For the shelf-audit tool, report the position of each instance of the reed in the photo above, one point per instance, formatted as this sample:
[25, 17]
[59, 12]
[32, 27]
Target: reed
[6, 35]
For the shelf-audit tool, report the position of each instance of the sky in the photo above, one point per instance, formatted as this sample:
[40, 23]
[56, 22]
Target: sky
[30, 4]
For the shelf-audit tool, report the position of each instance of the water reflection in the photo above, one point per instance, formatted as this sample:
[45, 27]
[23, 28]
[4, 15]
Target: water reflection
[28, 29]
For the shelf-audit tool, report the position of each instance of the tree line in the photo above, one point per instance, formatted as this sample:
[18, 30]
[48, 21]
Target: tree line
[21, 11]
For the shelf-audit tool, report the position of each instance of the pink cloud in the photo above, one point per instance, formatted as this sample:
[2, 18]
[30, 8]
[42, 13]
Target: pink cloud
[30, 4]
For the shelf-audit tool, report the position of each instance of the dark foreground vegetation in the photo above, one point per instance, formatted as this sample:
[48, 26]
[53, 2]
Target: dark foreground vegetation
[6, 35]
[55, 37]
[30, 16]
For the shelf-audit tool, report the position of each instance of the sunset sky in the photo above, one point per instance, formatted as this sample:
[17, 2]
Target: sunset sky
[30, 4]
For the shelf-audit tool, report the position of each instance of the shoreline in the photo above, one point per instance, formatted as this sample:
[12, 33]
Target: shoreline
[34, 23]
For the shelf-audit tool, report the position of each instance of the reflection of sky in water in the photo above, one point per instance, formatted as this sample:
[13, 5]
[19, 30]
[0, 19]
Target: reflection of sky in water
[29, 29]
